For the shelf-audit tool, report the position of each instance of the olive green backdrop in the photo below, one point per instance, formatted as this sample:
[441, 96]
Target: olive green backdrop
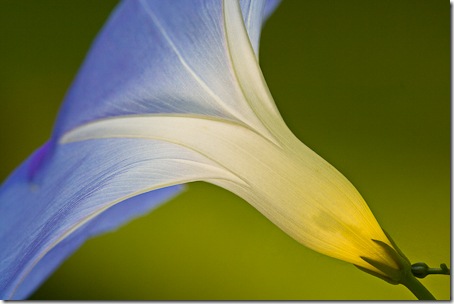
[366, 84]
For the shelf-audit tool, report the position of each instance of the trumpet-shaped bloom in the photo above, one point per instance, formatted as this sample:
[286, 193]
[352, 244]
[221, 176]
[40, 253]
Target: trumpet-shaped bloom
[170, 93]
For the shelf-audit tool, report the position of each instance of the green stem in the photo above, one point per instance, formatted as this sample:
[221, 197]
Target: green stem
[415, 286]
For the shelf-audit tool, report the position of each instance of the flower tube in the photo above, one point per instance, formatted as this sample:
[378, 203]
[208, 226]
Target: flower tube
[169, 96]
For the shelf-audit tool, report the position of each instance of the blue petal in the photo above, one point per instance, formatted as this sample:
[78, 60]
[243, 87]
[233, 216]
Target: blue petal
[157, 57]
[255, 14]
[151, 57]
[270, 7]
[80, 181]
[112, 218]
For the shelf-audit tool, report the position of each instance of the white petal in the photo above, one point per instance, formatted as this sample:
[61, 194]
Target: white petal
[290, 184]
[247, 71]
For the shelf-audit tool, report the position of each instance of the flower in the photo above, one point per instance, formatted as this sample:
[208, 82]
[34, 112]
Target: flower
[169, 96]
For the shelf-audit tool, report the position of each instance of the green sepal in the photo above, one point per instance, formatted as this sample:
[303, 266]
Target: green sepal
[388, 273]
[393, 274]
[376, 274]
[396, 247]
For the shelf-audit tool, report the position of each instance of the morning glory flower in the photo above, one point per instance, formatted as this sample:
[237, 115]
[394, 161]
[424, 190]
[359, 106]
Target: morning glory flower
[171, 93]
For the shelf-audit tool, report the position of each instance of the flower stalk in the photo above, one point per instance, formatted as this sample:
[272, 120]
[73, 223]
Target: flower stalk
[416, 287]
[405, 273]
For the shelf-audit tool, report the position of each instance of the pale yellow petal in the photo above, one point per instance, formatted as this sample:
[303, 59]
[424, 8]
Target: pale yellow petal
[289, 183]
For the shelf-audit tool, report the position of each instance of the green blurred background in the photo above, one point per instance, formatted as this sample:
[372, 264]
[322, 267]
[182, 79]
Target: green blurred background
[366, 84]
